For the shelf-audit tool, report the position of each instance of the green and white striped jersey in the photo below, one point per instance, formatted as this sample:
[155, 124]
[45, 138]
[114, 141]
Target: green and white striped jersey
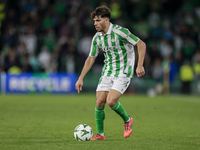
[118, 48]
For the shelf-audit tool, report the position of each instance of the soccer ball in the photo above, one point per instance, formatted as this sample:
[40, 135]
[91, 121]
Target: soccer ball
[83, 132]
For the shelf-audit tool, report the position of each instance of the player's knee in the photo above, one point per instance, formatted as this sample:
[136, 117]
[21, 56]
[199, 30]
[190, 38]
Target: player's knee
[111, 103]
[100, 102]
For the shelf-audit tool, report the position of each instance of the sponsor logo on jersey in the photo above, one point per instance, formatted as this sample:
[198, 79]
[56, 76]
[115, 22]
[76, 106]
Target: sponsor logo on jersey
[109, 48]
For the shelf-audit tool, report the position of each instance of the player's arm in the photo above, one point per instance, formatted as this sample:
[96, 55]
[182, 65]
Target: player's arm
[141, 46]
[87, 66]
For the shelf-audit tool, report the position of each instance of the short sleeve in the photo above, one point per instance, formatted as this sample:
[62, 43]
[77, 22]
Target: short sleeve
[94, 49]
[132, 39]
[127, 36]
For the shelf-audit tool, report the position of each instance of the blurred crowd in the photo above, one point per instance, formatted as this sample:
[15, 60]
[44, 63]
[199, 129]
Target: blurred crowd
[55, 35]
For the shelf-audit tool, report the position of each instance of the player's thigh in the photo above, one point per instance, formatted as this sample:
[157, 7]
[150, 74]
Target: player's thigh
[101, 98]
[113, 97]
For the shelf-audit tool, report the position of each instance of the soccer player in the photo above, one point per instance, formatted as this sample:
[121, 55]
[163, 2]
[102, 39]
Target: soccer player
[117, 44]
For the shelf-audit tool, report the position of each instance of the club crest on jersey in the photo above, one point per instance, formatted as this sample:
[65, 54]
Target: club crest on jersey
[113, 40]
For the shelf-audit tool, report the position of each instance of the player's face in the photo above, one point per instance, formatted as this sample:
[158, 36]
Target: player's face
[99, 23]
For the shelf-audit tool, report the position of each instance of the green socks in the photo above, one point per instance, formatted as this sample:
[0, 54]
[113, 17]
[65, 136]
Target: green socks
[100, 116]
[118, 108]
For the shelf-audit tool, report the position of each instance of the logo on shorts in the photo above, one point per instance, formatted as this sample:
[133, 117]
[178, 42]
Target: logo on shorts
[127, 83]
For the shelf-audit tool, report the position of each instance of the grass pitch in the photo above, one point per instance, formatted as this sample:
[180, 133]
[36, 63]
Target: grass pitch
[47, 122]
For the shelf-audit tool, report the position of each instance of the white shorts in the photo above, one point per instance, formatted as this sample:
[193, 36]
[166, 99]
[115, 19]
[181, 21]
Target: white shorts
[116, 83]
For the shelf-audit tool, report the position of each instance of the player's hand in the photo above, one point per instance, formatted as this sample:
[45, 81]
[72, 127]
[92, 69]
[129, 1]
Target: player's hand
[140, 71]
[79, 85]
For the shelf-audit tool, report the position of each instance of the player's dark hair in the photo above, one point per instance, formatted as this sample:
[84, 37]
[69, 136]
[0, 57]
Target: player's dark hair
[102, 11]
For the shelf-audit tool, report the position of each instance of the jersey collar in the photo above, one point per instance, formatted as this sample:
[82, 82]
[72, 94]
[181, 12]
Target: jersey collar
[109, 29]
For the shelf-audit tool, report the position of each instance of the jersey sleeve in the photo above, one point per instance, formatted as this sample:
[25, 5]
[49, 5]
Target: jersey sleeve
[132, 39]
[127, 36]
[94, 49]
